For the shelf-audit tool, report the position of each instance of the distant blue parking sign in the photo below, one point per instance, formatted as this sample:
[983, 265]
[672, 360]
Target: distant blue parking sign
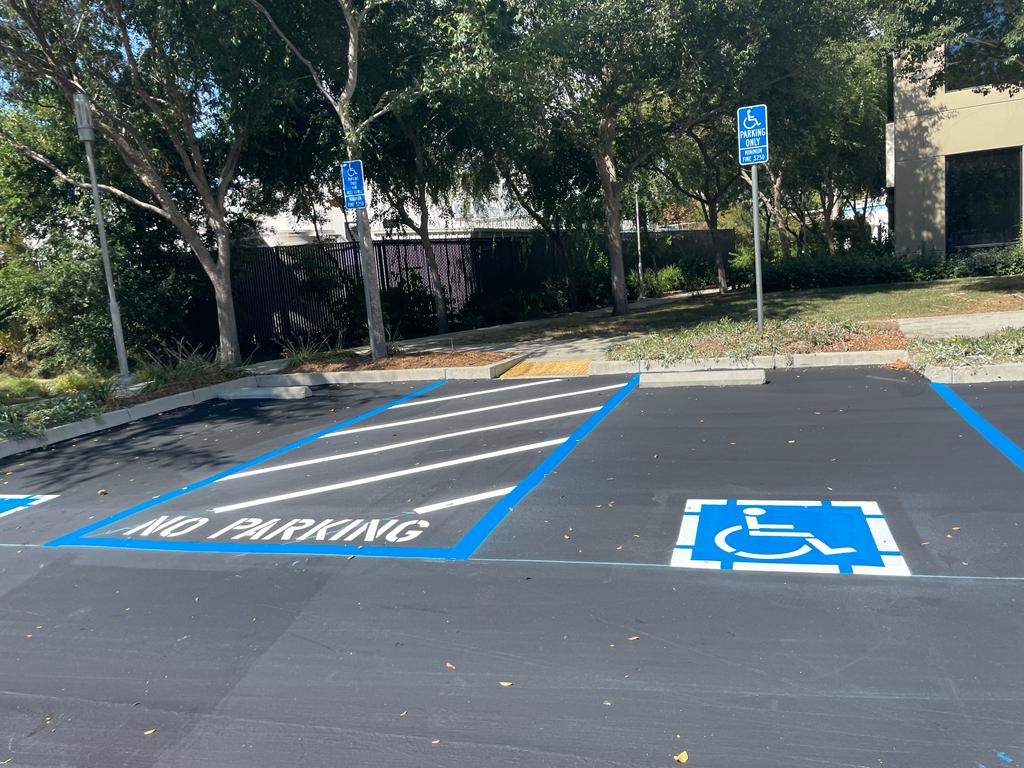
[792, 536]
[352, 184]
[752, 134]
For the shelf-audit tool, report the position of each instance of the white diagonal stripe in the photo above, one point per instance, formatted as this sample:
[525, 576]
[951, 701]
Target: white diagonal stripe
[493, 391]
[406, 444]
[464, 500]
[453, 414]
[387, 476]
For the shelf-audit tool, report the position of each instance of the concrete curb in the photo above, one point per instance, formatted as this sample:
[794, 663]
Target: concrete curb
[981, 374]
[492, 371]
[298, 382]
[119, 417]
[746, 376]
[808, 360]
[832, 359]
[266, 393]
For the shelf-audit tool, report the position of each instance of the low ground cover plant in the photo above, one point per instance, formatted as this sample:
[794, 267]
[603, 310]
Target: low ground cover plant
[1006, 346]
[740, 340]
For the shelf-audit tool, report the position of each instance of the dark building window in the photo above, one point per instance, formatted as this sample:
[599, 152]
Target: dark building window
[983, 198]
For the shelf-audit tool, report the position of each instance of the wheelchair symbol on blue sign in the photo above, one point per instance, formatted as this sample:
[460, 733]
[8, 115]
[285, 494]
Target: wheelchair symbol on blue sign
[793, 536]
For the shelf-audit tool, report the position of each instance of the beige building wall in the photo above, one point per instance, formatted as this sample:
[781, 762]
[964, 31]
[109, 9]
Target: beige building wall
[926, 129]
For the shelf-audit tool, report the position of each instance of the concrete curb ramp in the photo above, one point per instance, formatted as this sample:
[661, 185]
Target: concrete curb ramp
[746, 376]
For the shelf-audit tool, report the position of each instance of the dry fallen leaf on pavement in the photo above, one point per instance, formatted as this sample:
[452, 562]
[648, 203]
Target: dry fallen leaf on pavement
[505, 683]
[449, 665]
[403, 713]
[149, 732]
[435, 741]
[102, 492]
[633, 637]
[682, 757]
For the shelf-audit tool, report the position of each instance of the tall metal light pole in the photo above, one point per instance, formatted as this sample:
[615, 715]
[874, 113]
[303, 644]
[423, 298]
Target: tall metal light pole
[87, 135]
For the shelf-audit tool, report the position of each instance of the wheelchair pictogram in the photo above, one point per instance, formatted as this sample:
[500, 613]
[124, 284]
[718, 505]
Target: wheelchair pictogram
[794, 536]
[755, 528]
[750, 122]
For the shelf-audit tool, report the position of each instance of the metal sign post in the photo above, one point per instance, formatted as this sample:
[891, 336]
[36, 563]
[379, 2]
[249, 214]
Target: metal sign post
[752, 138]
[639, 253]
[87, 135]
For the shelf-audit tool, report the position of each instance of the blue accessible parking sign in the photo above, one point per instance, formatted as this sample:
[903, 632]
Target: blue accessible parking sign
[352, 184]
[752, 134]
[790, 536]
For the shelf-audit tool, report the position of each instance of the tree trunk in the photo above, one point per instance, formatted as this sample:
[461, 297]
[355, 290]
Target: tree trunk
[721, 267]
[228, 349]
[371, 287]
[436, 288]
[433, 273]
[779, 215]
[611, 189]
[827, 206]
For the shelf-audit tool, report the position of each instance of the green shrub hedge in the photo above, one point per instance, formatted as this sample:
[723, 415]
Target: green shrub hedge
[871, 263]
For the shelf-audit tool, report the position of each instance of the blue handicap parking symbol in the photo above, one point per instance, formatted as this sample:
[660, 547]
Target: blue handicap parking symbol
[793, 536]
[11, 504]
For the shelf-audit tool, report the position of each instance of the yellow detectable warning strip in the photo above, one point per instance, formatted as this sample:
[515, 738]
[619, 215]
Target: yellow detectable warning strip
[548, 368]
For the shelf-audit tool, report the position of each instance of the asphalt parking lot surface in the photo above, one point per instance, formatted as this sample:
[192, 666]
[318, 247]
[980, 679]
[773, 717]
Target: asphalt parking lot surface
[823, 571]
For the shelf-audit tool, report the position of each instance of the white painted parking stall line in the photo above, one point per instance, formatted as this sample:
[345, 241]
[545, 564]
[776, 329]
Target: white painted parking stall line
[405, 444]
[464, 500]
[453, 414]
[494, 391]
[387, 476]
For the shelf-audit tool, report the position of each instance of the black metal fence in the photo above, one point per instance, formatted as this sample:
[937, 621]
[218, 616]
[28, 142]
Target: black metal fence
[290, 293]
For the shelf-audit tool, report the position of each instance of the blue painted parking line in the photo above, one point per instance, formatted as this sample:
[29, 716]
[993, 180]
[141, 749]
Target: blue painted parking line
[788, 536]
[476, 536]
[9, 504]
[996, 439]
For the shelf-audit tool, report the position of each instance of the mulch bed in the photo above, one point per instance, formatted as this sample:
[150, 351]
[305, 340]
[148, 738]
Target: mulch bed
[885, 338]
[401, 362]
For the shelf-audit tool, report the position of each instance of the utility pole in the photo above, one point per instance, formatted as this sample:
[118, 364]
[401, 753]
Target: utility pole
[87, 135]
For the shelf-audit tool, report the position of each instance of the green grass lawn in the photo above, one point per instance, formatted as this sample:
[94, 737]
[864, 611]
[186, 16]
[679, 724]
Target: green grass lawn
[852, 304]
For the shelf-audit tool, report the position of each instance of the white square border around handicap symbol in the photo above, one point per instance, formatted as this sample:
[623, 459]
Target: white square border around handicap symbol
[31, 500]
[893, 563]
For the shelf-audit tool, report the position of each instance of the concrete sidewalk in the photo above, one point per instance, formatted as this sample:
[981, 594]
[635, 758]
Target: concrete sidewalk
[947, 326]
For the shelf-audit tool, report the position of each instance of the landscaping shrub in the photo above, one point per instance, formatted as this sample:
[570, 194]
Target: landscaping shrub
[737, 339]
[54, 314]
[31, 418]
[181, 367]
[1006, 346]
[870, 263]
